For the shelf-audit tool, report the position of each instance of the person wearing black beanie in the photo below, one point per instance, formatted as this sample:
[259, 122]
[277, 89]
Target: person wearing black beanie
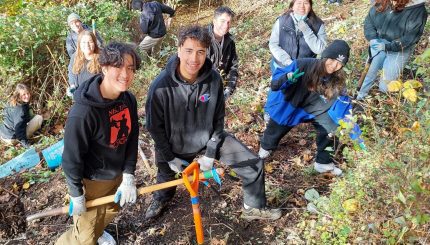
[309, 90]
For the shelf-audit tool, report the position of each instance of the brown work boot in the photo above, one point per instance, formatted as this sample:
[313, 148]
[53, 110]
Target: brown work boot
[154, 209]
[264, 213]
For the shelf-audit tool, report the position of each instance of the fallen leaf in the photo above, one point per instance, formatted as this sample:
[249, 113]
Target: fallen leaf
[312, 195]
[350, 205]
[394, 86]
[415, 126]
[269, 168]
[410, 94]
[5, 198]
[15, 187]
[412, 84]
[26, 185]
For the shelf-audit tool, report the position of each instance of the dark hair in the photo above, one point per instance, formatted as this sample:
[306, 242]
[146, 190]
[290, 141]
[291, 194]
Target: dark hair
[223, 10]
[313, 18]
[195, 32]
[137, 5]
[113, 55]
[319, 81]
[381, 5]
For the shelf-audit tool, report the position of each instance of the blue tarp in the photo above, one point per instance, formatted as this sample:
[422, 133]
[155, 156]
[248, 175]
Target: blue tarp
[53, 154]
[28, 159]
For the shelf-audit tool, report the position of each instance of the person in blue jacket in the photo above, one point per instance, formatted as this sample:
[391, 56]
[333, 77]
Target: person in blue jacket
[308, 90]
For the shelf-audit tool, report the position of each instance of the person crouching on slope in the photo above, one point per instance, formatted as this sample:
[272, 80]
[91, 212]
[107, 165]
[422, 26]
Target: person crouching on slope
[185, 112]
[305, 91]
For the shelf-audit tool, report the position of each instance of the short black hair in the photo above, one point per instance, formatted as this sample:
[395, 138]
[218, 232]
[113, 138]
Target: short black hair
[137, 5]
[195, 32]
[223, 10]
[113, 55]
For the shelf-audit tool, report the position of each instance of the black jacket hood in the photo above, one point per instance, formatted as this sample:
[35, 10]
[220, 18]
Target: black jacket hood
[89, 94]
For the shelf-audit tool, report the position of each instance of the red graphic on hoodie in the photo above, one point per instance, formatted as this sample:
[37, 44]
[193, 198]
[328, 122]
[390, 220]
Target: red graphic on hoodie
[120, 126]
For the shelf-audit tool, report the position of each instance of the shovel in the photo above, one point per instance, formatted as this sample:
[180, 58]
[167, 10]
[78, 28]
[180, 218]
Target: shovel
[143, 190]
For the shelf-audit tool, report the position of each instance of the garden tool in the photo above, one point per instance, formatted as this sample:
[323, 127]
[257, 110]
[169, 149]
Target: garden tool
[143, 190]
[366, 68]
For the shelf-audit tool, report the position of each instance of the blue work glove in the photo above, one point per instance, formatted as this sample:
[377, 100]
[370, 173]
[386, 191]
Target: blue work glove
[293, 76]
[127, 191]
[176, 164]
[206, 163]
[377, 45]
[77, 205]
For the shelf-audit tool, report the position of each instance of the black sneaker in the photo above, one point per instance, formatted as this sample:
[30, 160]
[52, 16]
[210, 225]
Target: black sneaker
[154, 209]
[264, 214]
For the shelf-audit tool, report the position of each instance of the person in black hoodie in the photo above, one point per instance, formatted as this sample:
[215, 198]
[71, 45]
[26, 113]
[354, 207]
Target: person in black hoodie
[185, 116]
[222, 51]
[100, 145]
[18, 123]
[152, 23]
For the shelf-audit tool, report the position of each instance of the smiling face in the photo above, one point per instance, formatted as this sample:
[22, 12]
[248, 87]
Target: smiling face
[302, 7]
[222, 24]
[76, 26]
[117, 79]
[332, 66]
[192, 56]
[87, 45]
[24, 96]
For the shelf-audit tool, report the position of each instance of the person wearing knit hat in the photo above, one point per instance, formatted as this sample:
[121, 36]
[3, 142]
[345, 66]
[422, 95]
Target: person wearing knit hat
[76, 27]
[309, 90]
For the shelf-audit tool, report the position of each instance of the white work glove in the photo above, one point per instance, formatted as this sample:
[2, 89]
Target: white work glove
[377, 45]
[71, 90]
[227, 93]
[302, 25]
[206, 163]
[77, 205]
[176, 164]
[127, 191]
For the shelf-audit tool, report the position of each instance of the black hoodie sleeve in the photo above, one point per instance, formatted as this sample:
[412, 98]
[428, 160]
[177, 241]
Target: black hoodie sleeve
[155, 125]
[218, 125]
[76, 143]
[167, 10]
[233, 73]
[133, 140]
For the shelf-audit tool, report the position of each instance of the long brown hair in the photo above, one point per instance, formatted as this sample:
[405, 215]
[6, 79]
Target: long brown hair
[397, 6]
[318, 80]
[313, 18]
[93, 66]
[16, 96]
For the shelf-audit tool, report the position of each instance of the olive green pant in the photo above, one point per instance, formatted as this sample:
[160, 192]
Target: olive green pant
[89, 226]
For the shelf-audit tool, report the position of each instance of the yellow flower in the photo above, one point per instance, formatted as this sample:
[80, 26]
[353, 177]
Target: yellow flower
[412, 84]
[394, 86]
[410, 94]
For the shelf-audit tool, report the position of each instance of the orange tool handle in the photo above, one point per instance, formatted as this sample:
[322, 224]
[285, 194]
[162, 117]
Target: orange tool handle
[193, 188]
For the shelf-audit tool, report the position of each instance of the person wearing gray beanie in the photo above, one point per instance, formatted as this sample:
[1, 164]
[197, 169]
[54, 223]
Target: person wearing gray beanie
[309, 90]
[76, 27]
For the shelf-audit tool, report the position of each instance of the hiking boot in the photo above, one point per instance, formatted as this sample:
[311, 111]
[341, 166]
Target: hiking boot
[106, 239]
[264, 214]
[324, 168]
[262, 153]
[154, 209]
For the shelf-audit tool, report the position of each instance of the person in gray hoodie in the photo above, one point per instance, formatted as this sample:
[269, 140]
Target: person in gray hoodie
[298, 33]
[393, 28]
[185, 116]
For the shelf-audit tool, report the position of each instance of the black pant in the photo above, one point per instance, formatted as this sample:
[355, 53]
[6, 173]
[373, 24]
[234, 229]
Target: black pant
[248, 166]
[322, 123]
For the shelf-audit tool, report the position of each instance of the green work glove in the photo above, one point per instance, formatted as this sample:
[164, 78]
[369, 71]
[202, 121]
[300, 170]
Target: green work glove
[293, 76]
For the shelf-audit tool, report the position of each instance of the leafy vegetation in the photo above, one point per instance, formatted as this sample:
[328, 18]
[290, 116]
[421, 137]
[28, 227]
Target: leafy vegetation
[385, 194]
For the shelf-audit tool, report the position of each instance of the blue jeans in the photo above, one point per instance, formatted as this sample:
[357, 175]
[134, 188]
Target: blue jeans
[391, 64]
